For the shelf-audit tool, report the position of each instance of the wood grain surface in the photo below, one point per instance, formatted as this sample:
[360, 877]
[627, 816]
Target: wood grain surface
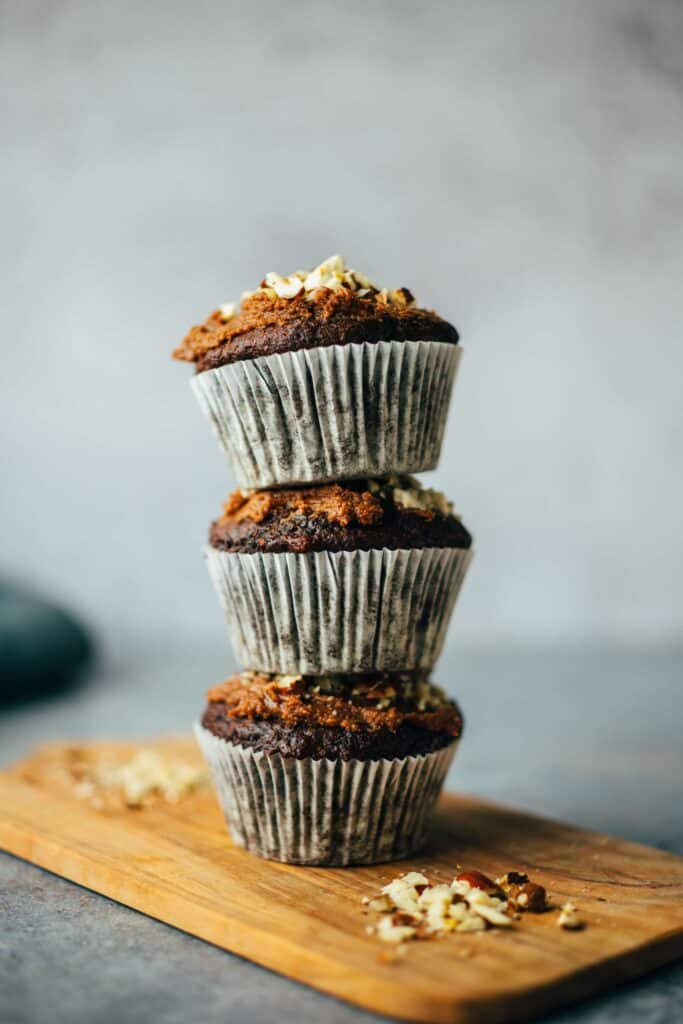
[176, 863]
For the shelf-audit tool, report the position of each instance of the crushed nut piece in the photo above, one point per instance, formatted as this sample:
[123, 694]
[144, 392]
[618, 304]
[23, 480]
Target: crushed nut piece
[390, 932]
[286, 682]
[402, 297]
[472, 923]
[530, 896]
[381, 905]
[568, 918]
[494, 915]
[284, 287]
[511, 878]
[227, 311]
[523, 894]
[477, 880]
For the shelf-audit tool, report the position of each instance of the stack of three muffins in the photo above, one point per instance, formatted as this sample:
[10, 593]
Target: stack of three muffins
[336, 571]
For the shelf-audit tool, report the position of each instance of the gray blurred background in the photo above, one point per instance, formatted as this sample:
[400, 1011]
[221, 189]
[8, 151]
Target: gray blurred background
[519, 165]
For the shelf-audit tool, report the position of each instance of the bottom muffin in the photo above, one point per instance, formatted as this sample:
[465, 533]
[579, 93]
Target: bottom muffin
[329, 769]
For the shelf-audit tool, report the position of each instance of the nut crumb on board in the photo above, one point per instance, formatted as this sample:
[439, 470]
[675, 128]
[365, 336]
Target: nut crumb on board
[107, 783]
[390, 956]
[569, 919]
[523, 894]
[411, 907]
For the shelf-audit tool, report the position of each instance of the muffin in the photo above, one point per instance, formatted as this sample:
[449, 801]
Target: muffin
[329, 769]
[351, 577]
[323, 376]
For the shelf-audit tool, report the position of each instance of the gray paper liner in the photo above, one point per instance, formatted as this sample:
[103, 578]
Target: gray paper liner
[331, 413]
[344, 611]
[325, 812]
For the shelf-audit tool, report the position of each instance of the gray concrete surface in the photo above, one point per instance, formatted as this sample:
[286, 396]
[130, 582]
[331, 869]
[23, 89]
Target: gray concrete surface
[584, 736]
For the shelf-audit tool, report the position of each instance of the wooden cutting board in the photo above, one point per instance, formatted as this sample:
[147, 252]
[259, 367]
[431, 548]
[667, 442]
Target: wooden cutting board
[176, 863]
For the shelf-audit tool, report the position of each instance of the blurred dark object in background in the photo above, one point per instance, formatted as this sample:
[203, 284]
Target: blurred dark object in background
[43, 649]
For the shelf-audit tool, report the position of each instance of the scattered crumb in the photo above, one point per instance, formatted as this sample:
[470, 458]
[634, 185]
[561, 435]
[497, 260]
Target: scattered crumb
[134, 782]
[568, 918]
[411, 907]
[390, 956]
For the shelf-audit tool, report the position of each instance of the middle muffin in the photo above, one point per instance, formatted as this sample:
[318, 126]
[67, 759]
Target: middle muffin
[351, 577]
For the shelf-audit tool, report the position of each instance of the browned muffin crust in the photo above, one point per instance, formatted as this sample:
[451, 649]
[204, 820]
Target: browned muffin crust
[266, 325]
[330, 517]
[364, 718]
[351, 702]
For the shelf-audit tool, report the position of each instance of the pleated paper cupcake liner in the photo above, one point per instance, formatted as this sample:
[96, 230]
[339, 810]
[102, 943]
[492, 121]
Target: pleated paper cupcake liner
[321, 811]
[344, 611]
[332, 413]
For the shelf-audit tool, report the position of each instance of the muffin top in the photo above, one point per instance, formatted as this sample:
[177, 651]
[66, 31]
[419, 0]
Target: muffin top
[353, 703]
[329, 305]
[395, 513]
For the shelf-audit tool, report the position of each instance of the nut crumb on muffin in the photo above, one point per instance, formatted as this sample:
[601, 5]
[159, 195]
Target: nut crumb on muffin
[331, 304]
[395, 513]
[365, 717]
[348, 701]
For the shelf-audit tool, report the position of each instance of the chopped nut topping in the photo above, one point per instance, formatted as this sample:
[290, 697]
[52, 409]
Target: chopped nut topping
[333, 297]
[227, 311]
[284, 287]
[407, 492]
[333, 274]
[363, 503]
[282, 682]
[380, 692]
[403, 297]
[350, 702]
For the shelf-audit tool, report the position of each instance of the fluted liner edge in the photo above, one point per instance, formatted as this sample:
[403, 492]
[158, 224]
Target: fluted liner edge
[344, 611]
[322, 811]
[331, 413]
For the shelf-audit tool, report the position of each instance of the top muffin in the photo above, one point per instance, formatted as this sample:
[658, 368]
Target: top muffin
[330, 305]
